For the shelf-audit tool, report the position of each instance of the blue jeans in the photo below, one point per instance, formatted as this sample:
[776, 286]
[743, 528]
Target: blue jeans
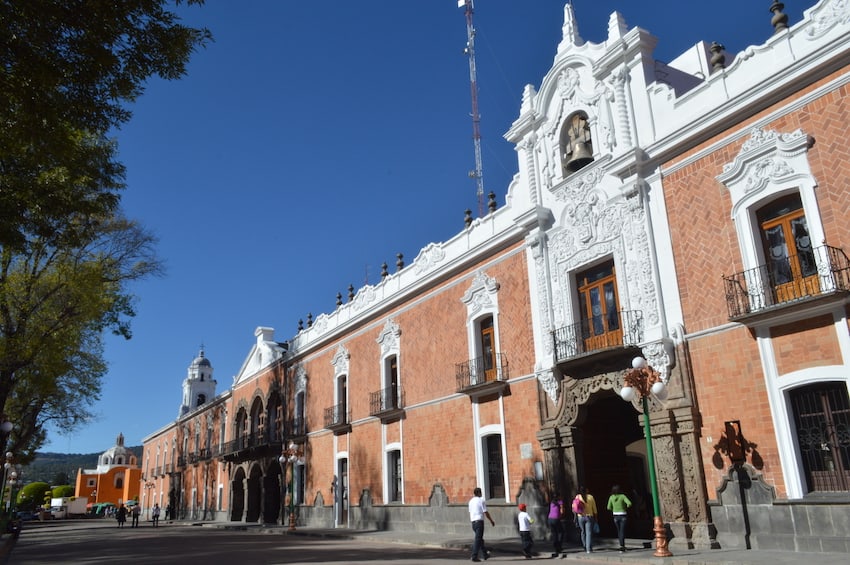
[478, 541]
[620, 522]
[585, 526]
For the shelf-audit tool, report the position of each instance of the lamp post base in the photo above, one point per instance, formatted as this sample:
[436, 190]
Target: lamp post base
[292, 522]
[660, 538]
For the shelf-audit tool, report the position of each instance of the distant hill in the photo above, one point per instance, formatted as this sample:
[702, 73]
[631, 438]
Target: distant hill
[47, 466]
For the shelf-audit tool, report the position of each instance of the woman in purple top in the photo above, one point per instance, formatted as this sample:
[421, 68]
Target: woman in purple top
[556, 525]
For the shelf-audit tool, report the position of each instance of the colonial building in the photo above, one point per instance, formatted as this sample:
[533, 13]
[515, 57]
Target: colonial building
[690, 212]
[116, 478]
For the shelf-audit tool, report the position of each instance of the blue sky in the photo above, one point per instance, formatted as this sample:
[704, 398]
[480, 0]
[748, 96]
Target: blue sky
[313, 141]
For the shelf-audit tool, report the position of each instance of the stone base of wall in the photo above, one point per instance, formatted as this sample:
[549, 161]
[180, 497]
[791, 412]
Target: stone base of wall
[438, 517]
[748, 516]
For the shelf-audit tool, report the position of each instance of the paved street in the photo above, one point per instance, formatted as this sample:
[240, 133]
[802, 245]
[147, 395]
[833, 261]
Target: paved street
[100, 542]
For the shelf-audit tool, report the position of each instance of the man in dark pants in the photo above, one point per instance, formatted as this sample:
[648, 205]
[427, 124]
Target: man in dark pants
[477, 513]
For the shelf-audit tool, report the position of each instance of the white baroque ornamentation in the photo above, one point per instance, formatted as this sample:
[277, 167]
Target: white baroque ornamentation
[760, 173]
[388, 338]
[428, 258]
[569, 88]
[550, 384]
[300, 378]
[340, 361]
[480, 293]
[582, 184]
[658, 358]
[827, 16]
[365, 296]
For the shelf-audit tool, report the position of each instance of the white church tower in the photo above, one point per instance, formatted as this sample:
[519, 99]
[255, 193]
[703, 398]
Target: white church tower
[199, 385]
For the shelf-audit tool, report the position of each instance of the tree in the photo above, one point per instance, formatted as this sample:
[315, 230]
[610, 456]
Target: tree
[70, 68]
[55, 305]
[67, 255]
[62, 491]
[32, 495]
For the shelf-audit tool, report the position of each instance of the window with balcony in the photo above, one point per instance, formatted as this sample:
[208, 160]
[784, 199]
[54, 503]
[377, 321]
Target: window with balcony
[486, 371]
[599, 307]
[789, 257]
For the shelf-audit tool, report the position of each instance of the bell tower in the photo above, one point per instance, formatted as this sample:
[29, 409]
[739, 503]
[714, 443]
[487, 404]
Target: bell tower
[199, 385]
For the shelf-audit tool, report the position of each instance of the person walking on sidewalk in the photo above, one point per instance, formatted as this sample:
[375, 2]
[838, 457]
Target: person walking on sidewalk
[555, 520]
[525, 522]
[134, 514]
[155, 515]
[477, 513]
[584, 507]
[618, 504]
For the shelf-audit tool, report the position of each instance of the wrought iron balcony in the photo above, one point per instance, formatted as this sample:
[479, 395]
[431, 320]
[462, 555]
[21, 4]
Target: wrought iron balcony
[337, 419]
[824, 271]
[483, 375]
[296, 428]
[387, 404]
[620, 329]
[262, 442]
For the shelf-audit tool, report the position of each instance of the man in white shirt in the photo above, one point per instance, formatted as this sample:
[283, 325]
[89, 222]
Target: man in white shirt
[477, 513]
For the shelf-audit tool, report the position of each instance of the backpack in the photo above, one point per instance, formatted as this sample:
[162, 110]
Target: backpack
[578, 506]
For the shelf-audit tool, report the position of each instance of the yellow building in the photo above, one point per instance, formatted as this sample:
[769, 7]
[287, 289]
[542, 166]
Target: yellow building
[116, 478]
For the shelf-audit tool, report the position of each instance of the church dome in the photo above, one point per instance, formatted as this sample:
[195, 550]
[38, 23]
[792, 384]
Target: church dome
[118, 454]
[201, 361]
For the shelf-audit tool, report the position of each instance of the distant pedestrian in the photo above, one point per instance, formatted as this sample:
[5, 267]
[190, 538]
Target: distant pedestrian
[168, 515]
[121, 515]
[555, 519]
[477, 513]
[525, 522]
[618, 504]
[134, 514]
[155, 515]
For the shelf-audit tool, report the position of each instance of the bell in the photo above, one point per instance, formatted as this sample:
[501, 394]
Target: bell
[580, 157]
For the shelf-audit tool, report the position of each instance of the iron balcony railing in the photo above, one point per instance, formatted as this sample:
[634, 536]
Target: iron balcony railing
[296, 427]
[336, 415]
[385, 400]
[622, 328]
[482, 370]
[821, 271]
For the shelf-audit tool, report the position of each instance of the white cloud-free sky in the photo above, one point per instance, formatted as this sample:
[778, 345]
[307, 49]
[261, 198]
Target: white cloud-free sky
[313, 141]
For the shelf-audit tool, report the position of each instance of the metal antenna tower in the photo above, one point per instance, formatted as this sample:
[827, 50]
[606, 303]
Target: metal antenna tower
[478, 173]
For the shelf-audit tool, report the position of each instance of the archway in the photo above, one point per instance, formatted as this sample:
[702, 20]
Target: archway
[254, 499]
[237, 497]
[614, 453]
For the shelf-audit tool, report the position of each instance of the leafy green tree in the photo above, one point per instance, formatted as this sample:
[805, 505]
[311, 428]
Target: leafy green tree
[67, 256]
[55, 304]
[32, 495]
[62, 491]
[70, 68]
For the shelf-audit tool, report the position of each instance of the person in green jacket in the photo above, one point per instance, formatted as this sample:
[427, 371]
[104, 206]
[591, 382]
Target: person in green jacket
[618, 504]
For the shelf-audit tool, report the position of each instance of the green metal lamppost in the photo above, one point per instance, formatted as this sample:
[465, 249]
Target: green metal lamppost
[293, 454]
[643, 380]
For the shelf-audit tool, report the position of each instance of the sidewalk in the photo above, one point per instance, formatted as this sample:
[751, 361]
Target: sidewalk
[638, 551]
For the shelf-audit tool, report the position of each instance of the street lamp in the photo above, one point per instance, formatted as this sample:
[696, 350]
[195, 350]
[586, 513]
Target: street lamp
[292, 454]
[643, 380]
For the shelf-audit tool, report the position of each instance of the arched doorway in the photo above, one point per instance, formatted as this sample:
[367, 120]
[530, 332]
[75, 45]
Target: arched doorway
[237, 497]
[272, 493]
[254, 499]
[614, 453]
